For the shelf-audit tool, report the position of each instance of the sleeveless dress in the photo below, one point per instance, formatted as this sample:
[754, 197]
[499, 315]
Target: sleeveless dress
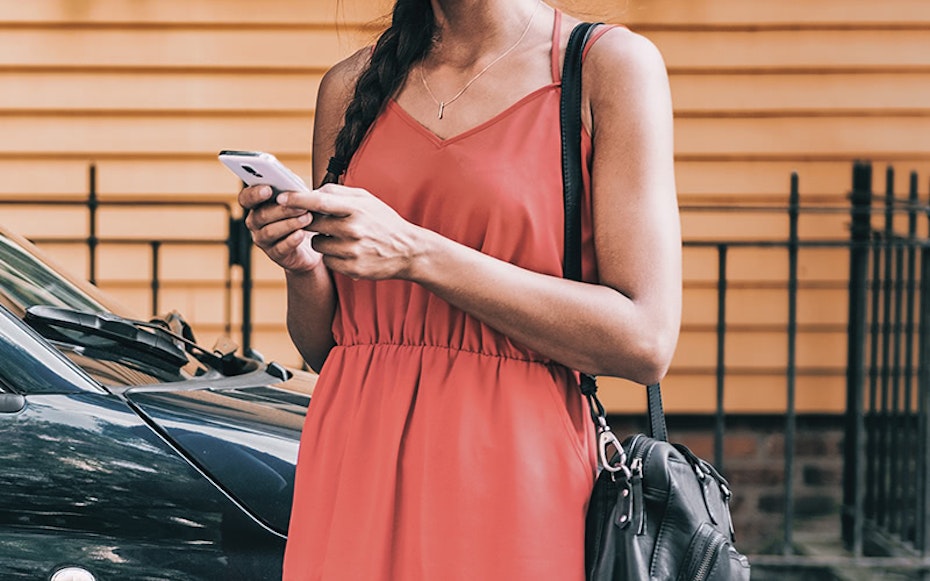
[435, 448]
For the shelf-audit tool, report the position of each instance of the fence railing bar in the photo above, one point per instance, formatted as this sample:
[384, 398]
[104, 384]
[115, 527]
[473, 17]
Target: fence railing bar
[896, 496]
[909, 426]
[922, 488]
[899, 205]
[141, 203]
[92, 203]
[923, 465]
[711, 370]
[156, 247]
[884, 501]
[897, 454]
[790, 419]
[247, 292]
[842, 244]
[854, 451]
[871, 426]
[719, 424]
[131, 241]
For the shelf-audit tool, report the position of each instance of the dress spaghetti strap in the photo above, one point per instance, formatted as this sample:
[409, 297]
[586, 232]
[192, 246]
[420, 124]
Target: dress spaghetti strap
[594, 36]
[555, 52]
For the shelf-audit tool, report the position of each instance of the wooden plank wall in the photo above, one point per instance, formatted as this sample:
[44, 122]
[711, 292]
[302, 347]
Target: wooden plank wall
[150, 90]
[762, 89]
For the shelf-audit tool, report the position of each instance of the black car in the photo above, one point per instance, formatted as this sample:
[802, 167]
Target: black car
[126, 450]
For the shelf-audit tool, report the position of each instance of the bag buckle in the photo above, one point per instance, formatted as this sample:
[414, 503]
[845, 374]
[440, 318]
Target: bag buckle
[605, 440]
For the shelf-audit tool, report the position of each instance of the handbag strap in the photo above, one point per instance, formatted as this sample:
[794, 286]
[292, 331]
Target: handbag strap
[572, 187]
[657, 428]
[570, 116]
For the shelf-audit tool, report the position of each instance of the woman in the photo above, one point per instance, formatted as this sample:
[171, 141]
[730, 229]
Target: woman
[447, 438]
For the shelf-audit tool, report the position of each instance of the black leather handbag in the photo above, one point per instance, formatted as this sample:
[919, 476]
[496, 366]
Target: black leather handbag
[657, 511]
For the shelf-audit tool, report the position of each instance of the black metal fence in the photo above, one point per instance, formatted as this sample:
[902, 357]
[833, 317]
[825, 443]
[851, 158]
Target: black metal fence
[792, 245]
[886, 494]
[885, 520]
[885, 517]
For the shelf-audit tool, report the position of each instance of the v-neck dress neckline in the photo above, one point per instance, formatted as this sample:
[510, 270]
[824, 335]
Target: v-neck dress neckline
[554, 58]
[395, 107]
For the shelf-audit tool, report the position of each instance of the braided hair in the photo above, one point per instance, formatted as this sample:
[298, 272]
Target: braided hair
[400, 47]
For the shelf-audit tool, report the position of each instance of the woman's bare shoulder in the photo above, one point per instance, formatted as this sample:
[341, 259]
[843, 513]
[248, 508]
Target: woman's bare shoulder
[338, 84]
[332, 100]
[626, 57]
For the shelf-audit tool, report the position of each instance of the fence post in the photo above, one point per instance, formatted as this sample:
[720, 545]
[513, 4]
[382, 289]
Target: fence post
[720, 423]
[92, 240]
[922, 541]
[854, 440]
[240, 253]
[896, 496]
[156, 281]
[790, 417]
[883, 481]
[910, 429]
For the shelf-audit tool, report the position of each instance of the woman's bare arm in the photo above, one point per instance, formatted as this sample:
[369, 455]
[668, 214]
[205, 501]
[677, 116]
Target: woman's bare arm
[311, 296]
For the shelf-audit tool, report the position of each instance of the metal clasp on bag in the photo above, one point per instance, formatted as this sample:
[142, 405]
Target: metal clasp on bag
[605, 439]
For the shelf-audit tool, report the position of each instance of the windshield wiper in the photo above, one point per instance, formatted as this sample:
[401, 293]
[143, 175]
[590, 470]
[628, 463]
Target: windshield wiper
[152, 342]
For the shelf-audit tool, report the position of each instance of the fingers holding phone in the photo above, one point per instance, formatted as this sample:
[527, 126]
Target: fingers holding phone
[277, 230]
[250, 197]
[361, 236]
[269, 221]
[265, 177]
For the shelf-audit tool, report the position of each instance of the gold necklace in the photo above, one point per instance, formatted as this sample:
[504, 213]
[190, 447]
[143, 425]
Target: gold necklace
[443, 104]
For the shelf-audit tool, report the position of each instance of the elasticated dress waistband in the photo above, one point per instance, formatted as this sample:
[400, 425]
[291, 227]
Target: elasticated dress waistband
[514, 356]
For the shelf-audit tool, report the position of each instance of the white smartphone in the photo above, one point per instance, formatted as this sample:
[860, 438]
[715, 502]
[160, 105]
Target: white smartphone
[258, 167]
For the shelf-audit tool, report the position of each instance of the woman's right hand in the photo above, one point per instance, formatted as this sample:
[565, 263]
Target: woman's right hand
[279, 231]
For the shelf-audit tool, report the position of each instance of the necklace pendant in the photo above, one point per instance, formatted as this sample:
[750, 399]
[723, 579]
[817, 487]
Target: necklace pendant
[442, 107]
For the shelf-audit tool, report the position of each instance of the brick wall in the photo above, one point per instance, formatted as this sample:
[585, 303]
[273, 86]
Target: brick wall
[754, 463]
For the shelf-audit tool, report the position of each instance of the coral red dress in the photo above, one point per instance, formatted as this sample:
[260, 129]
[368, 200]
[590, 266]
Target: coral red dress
[435, 448]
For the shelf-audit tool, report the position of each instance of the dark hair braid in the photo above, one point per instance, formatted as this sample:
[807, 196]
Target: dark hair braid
[400, 47]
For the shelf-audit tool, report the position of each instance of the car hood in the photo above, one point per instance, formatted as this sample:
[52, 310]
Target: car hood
[241, 432]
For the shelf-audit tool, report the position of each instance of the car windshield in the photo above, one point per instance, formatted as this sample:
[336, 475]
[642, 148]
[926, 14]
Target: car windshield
[30, 366]
[26, 281]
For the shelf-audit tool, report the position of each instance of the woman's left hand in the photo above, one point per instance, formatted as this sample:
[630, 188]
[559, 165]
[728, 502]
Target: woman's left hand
[358, 235]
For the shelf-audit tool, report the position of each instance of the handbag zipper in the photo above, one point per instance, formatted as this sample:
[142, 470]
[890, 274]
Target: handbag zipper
[638, 500]
[639, 448]
[704, 568]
